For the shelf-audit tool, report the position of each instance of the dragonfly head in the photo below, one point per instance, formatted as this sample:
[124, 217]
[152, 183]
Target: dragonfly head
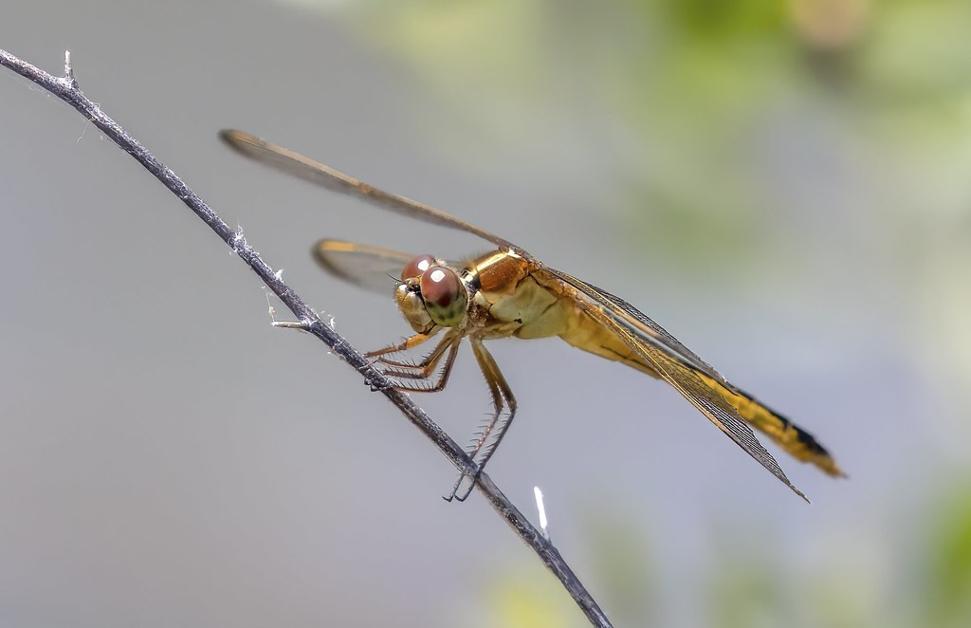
[430, 294]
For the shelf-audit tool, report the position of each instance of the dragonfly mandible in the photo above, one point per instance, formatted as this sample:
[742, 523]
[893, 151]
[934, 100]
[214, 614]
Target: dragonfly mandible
[508, 293]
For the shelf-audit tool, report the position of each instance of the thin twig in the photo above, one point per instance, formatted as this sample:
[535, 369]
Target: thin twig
[66, 88]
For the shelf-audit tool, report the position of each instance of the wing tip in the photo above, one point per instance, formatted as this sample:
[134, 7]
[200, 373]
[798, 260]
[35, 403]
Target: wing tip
[240, 141]
[229, 135]
[319, 252]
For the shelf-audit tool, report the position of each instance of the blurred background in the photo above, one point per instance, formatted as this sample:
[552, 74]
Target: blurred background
[783, 186]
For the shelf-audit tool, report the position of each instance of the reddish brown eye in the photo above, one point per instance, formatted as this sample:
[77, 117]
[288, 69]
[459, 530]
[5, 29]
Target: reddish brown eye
[440, 286]
[416, 267]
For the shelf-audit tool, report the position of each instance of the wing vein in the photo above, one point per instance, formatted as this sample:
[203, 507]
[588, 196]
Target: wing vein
[679, 368]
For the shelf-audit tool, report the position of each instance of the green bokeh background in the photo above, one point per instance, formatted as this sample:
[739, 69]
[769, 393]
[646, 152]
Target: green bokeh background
[776, 142]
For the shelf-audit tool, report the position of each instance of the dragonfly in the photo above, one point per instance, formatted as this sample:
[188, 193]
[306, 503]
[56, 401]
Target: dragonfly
[508, 293]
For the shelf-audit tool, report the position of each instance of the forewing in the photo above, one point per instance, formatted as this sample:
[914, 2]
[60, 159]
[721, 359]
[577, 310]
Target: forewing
[373, 267]
[682, 369]
[322, 174]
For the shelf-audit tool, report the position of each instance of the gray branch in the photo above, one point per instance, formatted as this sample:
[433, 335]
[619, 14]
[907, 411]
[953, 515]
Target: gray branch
[66, 88]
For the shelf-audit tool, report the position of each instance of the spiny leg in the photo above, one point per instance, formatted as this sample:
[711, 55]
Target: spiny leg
[408, 343]
[442, 378]
[427, 364]
[503, 427]
[502, 398]
[426, 367]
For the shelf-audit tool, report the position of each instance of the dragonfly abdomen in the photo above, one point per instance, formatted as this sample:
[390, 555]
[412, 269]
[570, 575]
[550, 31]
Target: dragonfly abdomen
[796, 441]
[583, 332]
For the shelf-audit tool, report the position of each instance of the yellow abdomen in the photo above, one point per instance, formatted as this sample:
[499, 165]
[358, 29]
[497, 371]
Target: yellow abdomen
[583, 332]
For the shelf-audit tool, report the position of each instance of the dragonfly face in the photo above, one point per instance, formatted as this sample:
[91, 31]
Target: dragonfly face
[431, 293]
[509, 293]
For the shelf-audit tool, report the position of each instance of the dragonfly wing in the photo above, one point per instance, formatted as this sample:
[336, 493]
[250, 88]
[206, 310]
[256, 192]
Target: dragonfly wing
[647, 326]
[373, 267]
[701, 385]
[322, 174]
[796, 441]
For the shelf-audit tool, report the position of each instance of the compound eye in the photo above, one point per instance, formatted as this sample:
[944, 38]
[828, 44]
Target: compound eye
[416, 267]
[440, 286]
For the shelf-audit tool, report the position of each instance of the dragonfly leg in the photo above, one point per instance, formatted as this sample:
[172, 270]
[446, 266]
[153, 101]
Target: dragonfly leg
[426, 365]
[452, 344]
[502, 399]
[408, 343]
[423, 369]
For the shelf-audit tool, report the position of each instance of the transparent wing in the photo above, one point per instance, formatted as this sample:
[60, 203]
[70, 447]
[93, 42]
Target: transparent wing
[646, 326]
[373, 267]
[796, 441]
[322, 174]
[704, 388]
[700, 384]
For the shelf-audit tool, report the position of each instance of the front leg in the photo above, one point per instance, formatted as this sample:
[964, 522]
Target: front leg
[420, 370]
[408, 343]
[452, 344]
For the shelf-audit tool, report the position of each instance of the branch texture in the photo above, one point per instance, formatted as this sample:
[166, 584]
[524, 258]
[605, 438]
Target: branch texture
[66, 88]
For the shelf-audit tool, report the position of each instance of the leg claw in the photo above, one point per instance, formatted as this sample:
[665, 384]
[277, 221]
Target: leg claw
[454, 494]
